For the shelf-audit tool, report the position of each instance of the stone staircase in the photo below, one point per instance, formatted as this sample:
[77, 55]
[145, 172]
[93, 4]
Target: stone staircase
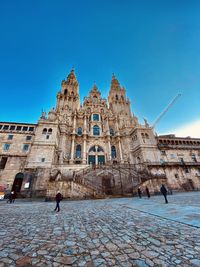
[121, 179]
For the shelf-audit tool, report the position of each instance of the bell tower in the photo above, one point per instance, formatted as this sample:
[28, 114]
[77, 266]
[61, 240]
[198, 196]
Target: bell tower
[117, 100]
[69, 95]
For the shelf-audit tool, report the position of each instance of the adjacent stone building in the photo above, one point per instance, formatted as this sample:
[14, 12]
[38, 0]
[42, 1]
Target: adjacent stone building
[93, 149]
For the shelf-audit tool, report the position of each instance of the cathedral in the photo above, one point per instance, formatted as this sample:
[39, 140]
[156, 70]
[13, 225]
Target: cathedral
[93, 149]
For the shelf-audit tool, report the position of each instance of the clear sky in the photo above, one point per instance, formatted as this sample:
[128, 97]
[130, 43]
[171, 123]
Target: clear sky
[152, 46]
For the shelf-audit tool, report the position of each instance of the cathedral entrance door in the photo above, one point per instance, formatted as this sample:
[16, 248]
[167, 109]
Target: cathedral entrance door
[106, 184]
[96, 155]
[101, 160]
[91, 160]
[18, 182]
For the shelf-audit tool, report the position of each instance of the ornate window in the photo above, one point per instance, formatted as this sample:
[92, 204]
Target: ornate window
[78, 151]
[79, 131]
[95, 117]
[92, 149]
[99, 149]
[113, 152]
[112, 133]
[96, 149]
[96, 130]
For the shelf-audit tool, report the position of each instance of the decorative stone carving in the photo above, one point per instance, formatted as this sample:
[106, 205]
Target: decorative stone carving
[43, 115]
[52, 115]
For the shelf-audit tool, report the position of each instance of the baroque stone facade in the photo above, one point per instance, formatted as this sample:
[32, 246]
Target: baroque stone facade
[93, 149]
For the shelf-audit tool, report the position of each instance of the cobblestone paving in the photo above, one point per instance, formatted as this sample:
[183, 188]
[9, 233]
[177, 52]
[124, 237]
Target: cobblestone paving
[95, 233]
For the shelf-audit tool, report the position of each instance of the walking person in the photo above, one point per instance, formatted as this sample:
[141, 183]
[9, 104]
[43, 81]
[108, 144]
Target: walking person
[163, 190]
[58, 199]
[139, 192]
[147, 192]
[11, 197]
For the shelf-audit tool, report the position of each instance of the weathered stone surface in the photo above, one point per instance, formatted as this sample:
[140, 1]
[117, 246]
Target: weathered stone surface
[24, 261]
[115, 234]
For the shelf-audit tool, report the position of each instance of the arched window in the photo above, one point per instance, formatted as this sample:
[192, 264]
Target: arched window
[92, 149]
[138, 160]
[96, 130]
[79, 132]
[65, 92]
[146, 136]
[99, 149]
[50, 131]
[95, 117]
[78, 151]
[96, 149]
[44, 131]
[116, 97]
[113, 152]
[112, 133]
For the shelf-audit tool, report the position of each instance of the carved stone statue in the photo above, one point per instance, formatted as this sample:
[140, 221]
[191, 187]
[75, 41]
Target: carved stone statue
[52, 115]
[43, 116]
[146, 123]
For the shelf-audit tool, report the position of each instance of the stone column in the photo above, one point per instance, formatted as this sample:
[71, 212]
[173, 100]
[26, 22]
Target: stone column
[120, 150]
[73, 140]
[74, 124]
[71, 161]
[84, 139]
[62, 147]
[108, 139]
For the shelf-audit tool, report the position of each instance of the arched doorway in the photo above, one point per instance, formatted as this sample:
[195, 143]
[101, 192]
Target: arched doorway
[96, 156]
[17, 184]
[108, 183]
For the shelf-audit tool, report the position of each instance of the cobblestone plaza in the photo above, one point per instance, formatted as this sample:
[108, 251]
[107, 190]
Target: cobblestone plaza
[108, 232]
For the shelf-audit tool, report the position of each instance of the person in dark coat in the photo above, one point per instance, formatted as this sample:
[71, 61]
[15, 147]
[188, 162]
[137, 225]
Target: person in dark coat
[58, 199]
[147, 192]
[139, 192]
[11, 197]
[163, 190]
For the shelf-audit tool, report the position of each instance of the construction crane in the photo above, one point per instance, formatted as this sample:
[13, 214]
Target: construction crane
[165, 111]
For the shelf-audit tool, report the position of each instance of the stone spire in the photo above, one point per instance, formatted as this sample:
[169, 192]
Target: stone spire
[95, 92]
[71, 78]
[95, 89]
[115, 85]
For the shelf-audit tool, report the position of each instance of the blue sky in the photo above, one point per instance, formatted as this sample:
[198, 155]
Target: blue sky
[152, 46]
